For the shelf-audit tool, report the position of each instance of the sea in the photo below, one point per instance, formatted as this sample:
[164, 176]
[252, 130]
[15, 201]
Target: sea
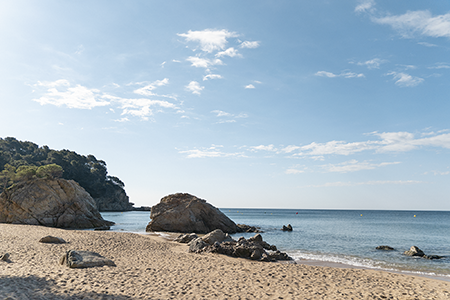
[346, 238]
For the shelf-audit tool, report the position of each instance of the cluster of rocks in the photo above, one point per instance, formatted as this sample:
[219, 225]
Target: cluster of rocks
[183, 212]
[217, 241]
[414, 251]
[50, 202]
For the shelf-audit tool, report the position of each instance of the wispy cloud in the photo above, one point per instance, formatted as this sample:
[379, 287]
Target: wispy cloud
[211, 152]
[147, 90]
[375, 182]
[248, 44]
[228, 117]
[343, 74]
[365, 6]
[440, 66]
[203, 62]
[405, 80]
[231, 52]
[415, 23]
[250, 86]
[194, 87]
[142, 108]
[354, 165]
[372, 63]
[61, 93]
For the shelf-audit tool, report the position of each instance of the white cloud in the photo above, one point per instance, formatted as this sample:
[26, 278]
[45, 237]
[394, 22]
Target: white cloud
[374, 182]
[365, 5]
[343, 74]
[147, 90]
[60, 93]
[265, 148]
[354, 165]
[221, 113]
[231, 52]
[372, 63]
[194, 87]
[419, 22]
[440, 66]
[210, 40]
[427, 44]
[405, 80]
[294, 171]
[250, 86]
[212, 76]
[248, 44]
[203, 62]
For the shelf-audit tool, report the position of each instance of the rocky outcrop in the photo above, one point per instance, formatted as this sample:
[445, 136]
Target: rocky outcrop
[247, 228]
[114, 199]
[253, 248]
[187, 213]
[84, 259]
[50, 202]
[385, 248]
[186, 238]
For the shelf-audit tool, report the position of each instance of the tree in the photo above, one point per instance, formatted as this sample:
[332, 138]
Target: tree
[49, 171]
[7, 176]
[25, 173]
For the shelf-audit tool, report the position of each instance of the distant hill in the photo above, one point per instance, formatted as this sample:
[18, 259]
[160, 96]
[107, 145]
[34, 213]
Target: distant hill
[90, 173]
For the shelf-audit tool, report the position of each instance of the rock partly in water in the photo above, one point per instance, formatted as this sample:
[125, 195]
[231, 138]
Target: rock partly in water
[384, 247]
[103, 228]
[84, 259]
[414, 251]
[50, 202]
[287, 228]
[52, 240]
[432, 257]
[247, 228]
[187, 213]
[114, 199]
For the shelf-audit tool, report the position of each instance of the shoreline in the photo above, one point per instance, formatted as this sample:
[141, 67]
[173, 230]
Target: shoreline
[152, 267]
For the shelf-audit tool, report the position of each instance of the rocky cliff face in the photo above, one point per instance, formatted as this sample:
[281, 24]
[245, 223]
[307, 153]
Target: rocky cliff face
[55, 203]
[115, 199]
[187, 213]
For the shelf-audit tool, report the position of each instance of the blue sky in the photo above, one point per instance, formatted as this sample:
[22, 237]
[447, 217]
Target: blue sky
[283, 104]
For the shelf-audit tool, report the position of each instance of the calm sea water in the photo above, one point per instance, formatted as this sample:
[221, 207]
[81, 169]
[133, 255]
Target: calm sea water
[340, 236]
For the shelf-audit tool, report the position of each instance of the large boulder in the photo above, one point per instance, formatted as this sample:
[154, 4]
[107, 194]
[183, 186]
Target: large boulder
[84, 259]
[187, 213]
[50, 202]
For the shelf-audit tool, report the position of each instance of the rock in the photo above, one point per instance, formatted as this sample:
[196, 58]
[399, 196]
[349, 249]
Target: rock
[384, 247]
[52, 240]
[247, 228]
[84, 259]
[50, 202]
[414, 251]
[187, 213]
[287, 228]
[216, 236]
[4, 257]
[254, 248]
[196, 245]
[432, 256]
[186, 238]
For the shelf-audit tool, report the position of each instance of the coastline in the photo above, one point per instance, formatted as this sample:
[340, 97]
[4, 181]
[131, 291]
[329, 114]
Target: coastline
[151, 267]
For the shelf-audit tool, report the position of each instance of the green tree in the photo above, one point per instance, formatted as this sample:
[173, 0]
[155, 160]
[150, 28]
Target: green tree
[49, 171]
[25, 173]
[7, 176]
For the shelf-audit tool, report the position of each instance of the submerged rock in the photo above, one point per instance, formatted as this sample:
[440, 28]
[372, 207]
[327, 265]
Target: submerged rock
[247, 228]
[384, 247]
[50, 202]
[432, 257]
[287, 228]
[187, 213]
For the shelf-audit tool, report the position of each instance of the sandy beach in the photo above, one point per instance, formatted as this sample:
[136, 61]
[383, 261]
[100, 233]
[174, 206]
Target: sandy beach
[150, 267]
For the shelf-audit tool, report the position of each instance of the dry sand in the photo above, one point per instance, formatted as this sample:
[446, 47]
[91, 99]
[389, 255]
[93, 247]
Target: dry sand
[149, 267]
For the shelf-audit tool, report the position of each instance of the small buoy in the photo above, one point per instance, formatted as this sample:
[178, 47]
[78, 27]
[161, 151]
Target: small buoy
[361, 215]
[414, 216]
[296, 213]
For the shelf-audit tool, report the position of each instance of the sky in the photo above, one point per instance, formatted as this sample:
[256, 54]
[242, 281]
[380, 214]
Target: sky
[259, 104]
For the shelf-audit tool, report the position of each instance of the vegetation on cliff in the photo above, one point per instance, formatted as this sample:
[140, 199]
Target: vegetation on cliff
[20, 160]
